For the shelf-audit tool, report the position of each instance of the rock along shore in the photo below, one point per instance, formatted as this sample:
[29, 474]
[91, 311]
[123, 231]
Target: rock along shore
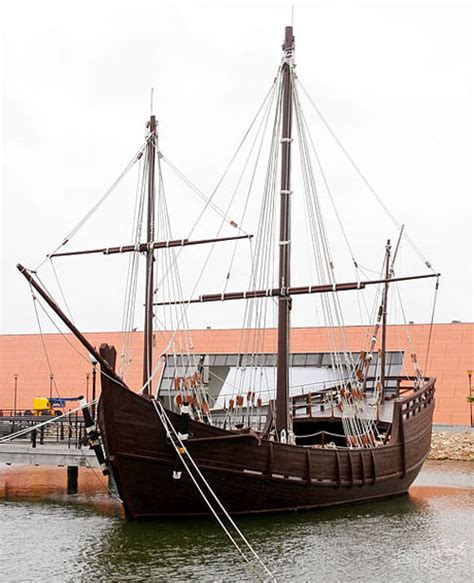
[452, 446]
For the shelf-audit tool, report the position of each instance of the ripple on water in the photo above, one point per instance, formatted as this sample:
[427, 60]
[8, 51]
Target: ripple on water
[426, 536]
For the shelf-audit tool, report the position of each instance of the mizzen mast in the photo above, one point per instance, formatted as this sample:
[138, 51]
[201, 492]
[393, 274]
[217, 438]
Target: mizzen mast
[150, 259]
[282, 421]
[383, 349]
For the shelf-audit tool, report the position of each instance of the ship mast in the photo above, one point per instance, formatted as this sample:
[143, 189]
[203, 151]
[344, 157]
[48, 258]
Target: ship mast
[148, 329]
[384, 319]
[282, 422]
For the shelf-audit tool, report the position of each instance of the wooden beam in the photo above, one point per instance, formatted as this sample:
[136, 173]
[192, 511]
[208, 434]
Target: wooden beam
[294, 291]
[143, 247]
[57, 310]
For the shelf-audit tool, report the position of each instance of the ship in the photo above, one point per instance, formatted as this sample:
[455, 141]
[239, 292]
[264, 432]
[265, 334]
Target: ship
[175, 451]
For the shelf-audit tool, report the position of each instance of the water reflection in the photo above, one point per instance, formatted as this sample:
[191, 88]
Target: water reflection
[423, 536]
[41, 484]
[417, 535]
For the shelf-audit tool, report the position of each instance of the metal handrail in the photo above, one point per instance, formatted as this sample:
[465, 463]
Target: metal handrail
[70, 431]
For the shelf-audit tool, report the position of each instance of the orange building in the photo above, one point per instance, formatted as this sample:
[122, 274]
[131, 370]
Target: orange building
[451, 355]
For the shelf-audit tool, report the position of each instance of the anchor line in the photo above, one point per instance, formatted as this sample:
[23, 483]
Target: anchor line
[179, 447]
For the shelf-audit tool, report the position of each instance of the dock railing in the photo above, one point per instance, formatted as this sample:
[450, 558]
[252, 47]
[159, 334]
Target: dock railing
[65, 430]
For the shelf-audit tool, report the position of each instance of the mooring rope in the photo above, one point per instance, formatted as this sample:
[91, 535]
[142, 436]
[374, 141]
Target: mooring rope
[169, 428]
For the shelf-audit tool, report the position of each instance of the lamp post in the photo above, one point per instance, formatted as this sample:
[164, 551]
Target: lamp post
[51, 377]
[94, 372]
[15, 376]
[471, 396]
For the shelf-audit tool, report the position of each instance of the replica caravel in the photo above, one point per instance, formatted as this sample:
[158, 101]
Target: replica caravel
[363, 436]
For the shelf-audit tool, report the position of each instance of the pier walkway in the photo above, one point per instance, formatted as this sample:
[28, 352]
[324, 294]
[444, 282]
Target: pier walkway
[49, 454]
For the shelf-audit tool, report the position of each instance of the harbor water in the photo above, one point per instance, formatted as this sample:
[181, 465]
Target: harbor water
[46, 534]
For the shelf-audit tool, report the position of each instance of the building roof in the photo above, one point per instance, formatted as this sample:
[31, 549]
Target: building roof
[451, 354]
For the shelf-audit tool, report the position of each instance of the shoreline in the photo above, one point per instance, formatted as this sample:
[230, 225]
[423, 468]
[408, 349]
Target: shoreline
[454, 446]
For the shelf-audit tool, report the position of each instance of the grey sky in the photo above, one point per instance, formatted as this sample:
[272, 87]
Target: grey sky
[393, 79]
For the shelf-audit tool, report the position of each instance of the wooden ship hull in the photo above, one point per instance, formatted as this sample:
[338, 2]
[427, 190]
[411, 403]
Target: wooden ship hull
[251, 475]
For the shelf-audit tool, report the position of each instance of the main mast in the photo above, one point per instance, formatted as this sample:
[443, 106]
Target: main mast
[148, 329]
[282, 422]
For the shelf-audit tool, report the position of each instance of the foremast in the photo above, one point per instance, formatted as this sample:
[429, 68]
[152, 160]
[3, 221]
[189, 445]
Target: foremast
[150, 259]
[282, 420]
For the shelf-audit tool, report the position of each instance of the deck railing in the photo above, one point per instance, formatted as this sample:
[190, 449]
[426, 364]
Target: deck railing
[410, 403]
[321, 401]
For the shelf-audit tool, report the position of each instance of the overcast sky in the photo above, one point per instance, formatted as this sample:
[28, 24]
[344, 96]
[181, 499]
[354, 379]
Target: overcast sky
[393, 79]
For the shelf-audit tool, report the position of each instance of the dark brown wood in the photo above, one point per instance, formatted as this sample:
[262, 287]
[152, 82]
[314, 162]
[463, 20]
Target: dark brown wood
[57, 310]
[362, 467]
[109, 354]
[282, 419]
[351, 466]
[384, 321]
[308, 463]
[248, 435]
[294, 291]
[269, 420]
[270, 460]
[402, 441]
[94, 385]
[150, 260]
[250, 476]
[143, 247]
[374, 466]
[338, 469]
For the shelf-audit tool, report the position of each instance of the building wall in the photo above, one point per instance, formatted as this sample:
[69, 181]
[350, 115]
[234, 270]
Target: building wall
[451, 355]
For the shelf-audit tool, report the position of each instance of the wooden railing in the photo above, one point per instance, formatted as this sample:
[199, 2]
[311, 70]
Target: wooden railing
[410, 404]
[419, 399]
[326, 399]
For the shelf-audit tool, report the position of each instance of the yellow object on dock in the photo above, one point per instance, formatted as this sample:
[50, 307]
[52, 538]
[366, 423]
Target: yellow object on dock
[41, 405]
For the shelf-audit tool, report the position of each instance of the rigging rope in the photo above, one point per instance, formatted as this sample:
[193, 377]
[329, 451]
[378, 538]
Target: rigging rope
[188, 382]
[48, 361]
[96, 206]
[61, 289]
[363, 178]
[38, 301]
[201, 195]
[358, 426]
[186, 305]
[262, 273]
[182, 451]
[131, 285]
[224, 174]
[435, 298]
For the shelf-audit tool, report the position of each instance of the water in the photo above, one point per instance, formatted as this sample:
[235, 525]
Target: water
[424, 536]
